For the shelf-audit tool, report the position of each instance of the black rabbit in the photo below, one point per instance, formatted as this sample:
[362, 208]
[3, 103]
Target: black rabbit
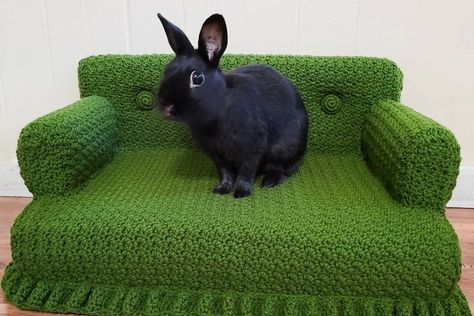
[250, 121]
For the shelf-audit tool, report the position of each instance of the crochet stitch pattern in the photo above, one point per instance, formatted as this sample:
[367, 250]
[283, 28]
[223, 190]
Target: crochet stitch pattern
[123, 221]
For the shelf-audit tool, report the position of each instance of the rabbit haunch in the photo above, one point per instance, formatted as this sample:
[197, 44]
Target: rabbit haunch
[251, 121]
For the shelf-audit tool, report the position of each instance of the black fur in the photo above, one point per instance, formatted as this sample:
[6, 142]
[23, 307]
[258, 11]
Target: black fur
[250, 121]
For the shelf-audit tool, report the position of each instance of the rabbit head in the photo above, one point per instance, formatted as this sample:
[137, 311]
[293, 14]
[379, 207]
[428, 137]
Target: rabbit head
[193, 86]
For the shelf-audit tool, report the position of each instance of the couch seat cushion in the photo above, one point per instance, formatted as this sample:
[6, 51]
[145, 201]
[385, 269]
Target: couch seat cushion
[149, 219]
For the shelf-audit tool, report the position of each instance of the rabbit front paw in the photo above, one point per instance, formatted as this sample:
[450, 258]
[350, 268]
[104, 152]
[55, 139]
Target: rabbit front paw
[221, 189]
[243, 189]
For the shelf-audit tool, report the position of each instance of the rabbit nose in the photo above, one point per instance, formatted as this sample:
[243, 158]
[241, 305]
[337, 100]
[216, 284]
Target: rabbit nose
[167, 107]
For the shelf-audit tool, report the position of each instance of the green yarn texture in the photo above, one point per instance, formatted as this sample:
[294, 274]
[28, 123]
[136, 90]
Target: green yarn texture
[123, 221]
[343, 87]
[60, 151]
[416, 158]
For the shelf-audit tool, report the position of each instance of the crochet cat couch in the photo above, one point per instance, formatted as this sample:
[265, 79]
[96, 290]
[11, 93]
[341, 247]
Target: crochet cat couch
[123, 220]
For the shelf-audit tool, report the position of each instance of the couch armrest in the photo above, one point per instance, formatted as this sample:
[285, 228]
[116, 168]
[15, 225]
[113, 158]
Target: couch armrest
[416, 158]
[61, 150]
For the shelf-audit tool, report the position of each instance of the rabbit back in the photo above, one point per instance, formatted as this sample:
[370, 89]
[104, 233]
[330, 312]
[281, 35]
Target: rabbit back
[273, 104]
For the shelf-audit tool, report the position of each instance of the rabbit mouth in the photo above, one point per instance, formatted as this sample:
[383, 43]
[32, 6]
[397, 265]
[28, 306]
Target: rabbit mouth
[167, 109]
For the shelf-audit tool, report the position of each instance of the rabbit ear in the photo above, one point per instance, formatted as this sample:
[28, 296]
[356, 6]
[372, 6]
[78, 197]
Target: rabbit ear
[179, 42]
[213, 39]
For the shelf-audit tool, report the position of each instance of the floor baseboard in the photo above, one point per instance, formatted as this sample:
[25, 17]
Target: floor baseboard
[11, 182]
[463, 194]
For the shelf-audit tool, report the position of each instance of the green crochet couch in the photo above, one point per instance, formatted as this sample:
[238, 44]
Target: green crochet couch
[123, 221]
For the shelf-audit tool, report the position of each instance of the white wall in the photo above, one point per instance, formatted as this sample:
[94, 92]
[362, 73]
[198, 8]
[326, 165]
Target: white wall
[41, 42]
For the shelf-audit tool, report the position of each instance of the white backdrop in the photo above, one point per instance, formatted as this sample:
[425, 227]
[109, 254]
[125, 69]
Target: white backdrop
[41, 42]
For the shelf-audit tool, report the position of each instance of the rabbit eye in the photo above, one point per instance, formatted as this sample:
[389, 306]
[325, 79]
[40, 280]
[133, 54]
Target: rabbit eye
[196, 79]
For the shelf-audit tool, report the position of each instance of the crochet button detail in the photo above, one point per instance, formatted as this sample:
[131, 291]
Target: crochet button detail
[331, 104]
[145, 100]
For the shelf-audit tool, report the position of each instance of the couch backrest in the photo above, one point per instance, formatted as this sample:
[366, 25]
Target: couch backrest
[337, 92]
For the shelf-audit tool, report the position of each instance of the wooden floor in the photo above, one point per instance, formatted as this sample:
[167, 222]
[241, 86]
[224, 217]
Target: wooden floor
[461, 219]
